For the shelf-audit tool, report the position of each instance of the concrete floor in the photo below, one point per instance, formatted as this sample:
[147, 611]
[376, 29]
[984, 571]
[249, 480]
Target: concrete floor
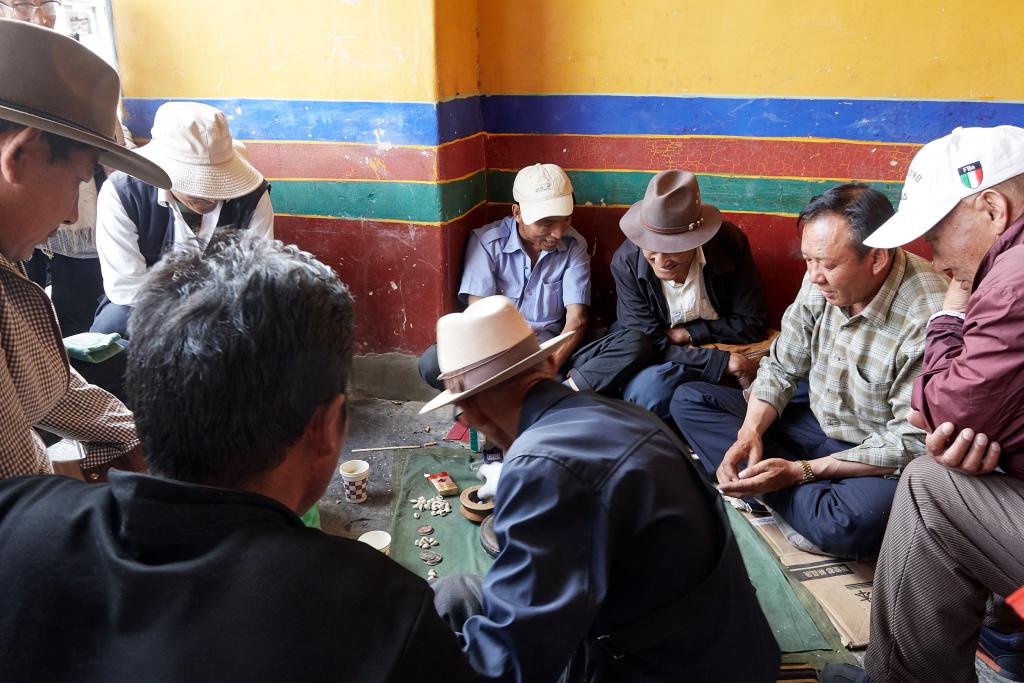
[378, 422]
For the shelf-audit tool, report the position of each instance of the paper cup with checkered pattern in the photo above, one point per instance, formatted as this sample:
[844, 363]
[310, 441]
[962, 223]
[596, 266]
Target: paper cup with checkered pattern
[356, 475]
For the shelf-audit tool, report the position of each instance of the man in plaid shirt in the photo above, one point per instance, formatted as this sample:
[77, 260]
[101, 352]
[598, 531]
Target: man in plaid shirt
[855, 336]
[57, 121]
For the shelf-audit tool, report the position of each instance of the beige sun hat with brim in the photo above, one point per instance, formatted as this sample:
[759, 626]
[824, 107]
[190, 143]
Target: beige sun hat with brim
[55, 84]
[485, 345]
[671, 217]
[193, 143]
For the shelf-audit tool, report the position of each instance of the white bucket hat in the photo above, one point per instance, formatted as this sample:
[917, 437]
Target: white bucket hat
[192, 142]
[55, 84]
[542, 190]
[946, 170]
[483, 346]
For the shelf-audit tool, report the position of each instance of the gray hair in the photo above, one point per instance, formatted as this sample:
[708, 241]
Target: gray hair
[231, 353]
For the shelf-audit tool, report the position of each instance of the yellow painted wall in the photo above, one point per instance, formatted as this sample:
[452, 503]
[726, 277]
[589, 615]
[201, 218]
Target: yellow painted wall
[457, 22]
[944, 49]
[287, 49]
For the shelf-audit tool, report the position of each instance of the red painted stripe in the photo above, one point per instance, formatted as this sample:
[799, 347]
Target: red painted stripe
[332, 161]
[742, 156]
[402, 276]
[461, 158]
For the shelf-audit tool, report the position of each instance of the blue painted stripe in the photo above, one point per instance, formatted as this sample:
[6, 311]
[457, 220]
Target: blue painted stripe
[421, 123]
[905, 121]
[396, 123]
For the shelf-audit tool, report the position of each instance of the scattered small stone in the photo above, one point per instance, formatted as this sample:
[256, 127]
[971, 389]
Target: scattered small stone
[396, 403]
[427, 430]
[415, 515]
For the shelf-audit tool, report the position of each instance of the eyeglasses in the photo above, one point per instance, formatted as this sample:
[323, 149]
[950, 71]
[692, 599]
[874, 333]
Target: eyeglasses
[26, 10]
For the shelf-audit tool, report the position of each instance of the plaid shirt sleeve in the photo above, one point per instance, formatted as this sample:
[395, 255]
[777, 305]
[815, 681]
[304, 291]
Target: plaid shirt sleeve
[21, 450]
[789, 360]
[95, 417]
[901, 442]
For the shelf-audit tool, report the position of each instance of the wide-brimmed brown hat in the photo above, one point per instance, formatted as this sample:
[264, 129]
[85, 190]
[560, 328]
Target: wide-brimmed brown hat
[671, 217]
[54, 83]
[483, 346]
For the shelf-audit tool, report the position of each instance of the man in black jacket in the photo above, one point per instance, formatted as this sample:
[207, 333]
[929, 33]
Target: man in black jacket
[686, 278]
[204, 572]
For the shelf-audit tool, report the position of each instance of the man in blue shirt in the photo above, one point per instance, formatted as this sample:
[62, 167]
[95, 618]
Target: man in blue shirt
[616, 560]
[535, 258]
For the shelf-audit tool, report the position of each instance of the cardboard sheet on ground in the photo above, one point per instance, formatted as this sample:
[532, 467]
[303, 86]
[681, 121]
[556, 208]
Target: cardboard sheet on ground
[793, 628]
[459, 538]
[841, 587]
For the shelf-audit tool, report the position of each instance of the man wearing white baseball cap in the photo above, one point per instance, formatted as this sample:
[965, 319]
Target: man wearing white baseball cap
[58, 105]
[214, 188]
[954, 536]
[616, 560]
[535, 258]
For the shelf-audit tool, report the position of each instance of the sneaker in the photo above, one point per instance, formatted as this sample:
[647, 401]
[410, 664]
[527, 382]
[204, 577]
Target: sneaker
[1004, 653]
[836, 672]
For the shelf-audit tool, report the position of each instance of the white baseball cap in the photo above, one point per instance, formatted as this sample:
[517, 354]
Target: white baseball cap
[946, 170]
[542, 190]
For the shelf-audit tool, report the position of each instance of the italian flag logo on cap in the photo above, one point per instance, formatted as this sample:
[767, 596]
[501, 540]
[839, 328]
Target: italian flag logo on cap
[971, 175]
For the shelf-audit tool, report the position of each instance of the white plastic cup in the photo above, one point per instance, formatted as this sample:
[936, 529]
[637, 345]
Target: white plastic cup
[356, 476]
[380, 540]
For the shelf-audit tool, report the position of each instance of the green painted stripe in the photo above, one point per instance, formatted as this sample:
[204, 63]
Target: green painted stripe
[380, 200]
[760, 195]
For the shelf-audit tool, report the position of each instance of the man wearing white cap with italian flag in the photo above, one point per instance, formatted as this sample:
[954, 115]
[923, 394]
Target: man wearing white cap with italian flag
[954, 541]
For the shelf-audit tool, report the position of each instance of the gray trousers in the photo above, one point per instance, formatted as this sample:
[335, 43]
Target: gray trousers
[952, 542]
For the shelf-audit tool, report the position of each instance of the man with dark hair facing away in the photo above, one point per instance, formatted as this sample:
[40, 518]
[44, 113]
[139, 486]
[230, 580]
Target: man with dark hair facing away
[238, 371]
[855, 335]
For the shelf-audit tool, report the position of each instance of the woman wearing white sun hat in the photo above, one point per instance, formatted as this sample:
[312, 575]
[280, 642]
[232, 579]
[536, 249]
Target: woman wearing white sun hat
[214, 188]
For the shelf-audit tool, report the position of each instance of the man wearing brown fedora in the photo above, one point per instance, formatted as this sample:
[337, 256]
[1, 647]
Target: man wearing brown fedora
[57, 120]
[616, 561]
[215, 189]
[855, 337]
[684, 278]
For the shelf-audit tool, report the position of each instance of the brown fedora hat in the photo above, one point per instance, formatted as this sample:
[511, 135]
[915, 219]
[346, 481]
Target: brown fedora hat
[52, 82]
[671, 217]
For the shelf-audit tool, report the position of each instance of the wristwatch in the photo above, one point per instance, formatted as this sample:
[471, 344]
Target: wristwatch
[808, 475]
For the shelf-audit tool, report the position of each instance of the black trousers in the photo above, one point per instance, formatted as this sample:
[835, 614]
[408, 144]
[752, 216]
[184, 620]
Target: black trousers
[77, 287]
[604, 366]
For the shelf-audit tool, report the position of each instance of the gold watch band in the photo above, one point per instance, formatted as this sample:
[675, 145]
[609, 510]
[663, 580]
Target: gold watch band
[808, 475]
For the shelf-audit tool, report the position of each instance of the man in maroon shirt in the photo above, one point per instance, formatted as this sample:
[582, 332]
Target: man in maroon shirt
[955, 539]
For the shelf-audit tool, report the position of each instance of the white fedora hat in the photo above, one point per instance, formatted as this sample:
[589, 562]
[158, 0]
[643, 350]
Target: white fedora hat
[54, 83]
[193, 143]
[483, 346]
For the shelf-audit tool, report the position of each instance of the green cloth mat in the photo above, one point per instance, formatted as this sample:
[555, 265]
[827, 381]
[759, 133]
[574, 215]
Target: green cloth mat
[794, 629]
[459, 538]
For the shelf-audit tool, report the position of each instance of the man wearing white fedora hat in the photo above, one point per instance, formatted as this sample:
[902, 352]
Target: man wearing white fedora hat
[57, 119]
[214, 189]
[616, 557]
[954, 539]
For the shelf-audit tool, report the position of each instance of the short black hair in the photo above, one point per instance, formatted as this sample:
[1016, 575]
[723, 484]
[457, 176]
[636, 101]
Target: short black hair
[863, 207]
[230, 355]
[60, 146]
